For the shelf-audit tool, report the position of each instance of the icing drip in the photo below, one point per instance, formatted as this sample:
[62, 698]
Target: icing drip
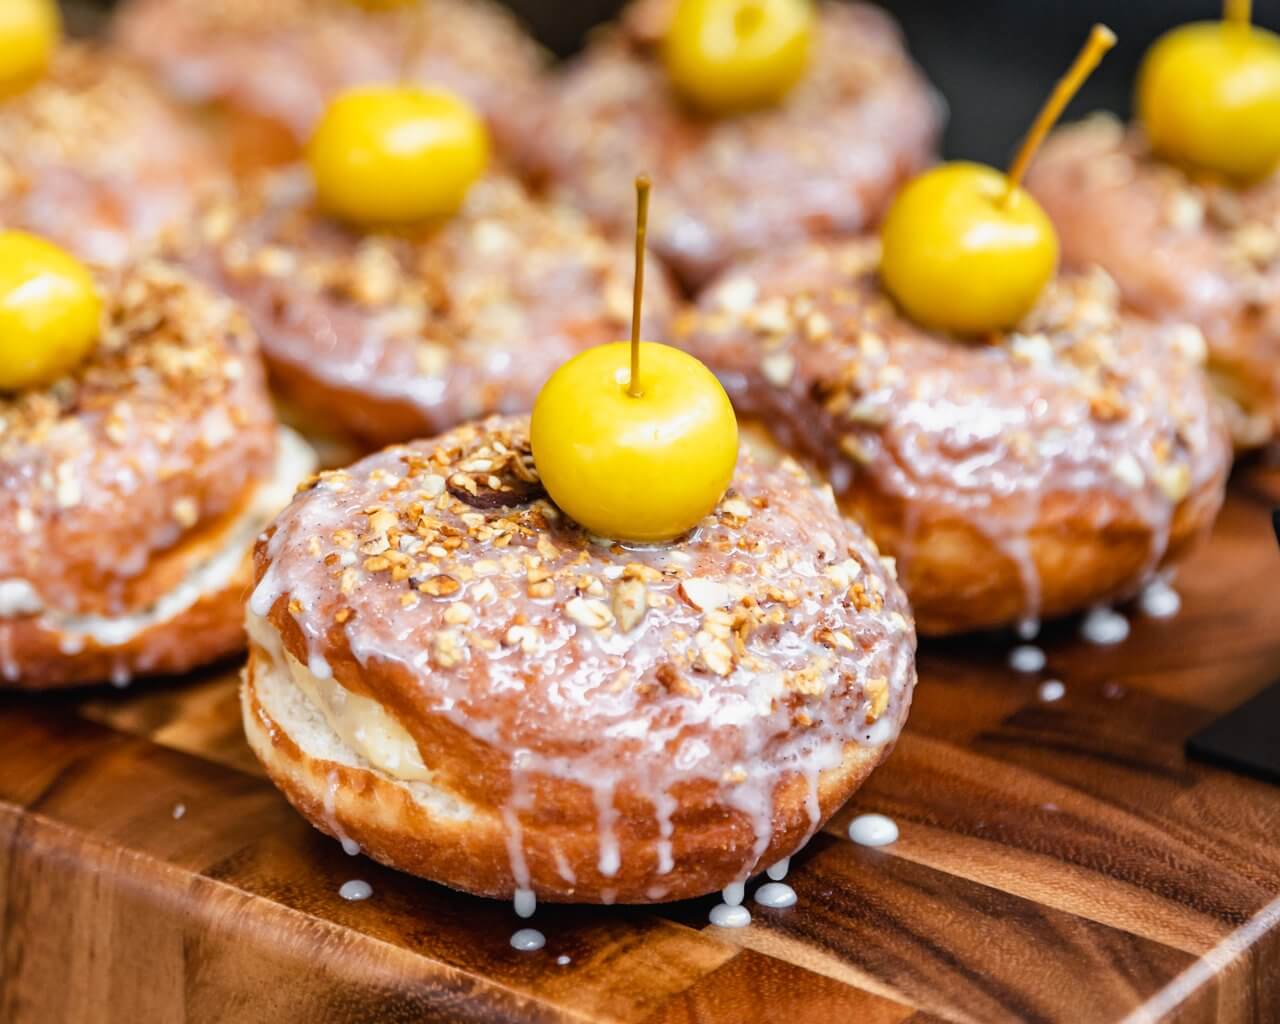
[1052, 690]
[1159, 600]
[777, 895]
[333, 782]
[778, 871]
[873, 830]
[528, 940]
[724, 916]
[355, 890]
[525, 903]
[1026, 658]
[1104, 627]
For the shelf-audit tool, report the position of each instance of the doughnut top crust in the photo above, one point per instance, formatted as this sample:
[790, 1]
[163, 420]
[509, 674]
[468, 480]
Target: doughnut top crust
[823, 162]
[449, 324]
[1080, 401]
[283, 60]
[1181, 248]
[96, 158]
[159, 434]
[437, 578]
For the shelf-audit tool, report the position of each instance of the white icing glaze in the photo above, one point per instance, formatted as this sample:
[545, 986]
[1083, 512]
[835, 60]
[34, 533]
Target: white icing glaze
[733, 893]
[1052, 690]
[1104, 626]
[355, 890]
[776, 895]
[873, 830]
[525, 903]
[1159, 600]
[563, 960]
[778, 871]
[179, 810]
[528, 940]
[1026, 658]
[725, 916]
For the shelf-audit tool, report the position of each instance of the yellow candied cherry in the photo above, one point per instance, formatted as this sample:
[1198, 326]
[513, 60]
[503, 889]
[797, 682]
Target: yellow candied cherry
[50, 312]
[396, 155]
[29, 33]
[726, 56]
[635, 441]
[1209, 96]
[964, 247]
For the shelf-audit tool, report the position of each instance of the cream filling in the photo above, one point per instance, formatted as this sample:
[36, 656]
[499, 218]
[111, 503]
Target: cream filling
[294, 462]
[360, 722]
[280, 685]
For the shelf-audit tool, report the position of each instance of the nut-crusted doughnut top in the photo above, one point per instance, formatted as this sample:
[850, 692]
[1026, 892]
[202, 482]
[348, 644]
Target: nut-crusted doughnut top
[95, 157]
[161, 431]
[1180, 247]
[823, 162]
[465, 320]
[1080, 400]
[439, 579]
[285, 59]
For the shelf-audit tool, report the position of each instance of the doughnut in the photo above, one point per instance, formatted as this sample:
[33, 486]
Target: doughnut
[447, 671]
[824, 162]
[392, 337]
[97, 159]
[271, 67]
[1013, 478]
[1182, 249]
[131, 491]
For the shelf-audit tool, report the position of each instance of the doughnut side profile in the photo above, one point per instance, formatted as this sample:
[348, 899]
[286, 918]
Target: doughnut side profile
[96, 158]
[824, 162]
[131, 492]
[449, 673]
[269, 69]
[387, 337]
[1013, 478]
[1182, 250]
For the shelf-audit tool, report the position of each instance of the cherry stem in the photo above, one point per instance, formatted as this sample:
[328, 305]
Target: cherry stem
[416, 42]
[642, 227]
[1238, 12]
[1100, 40]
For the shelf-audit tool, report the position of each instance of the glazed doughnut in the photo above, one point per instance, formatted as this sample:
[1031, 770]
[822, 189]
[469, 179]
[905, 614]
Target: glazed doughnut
[271, 67]
[392, 337]
[131, 491]
[447, 671]
[825, 162]
[1181, 249]
[1015, 478]
[95, 158]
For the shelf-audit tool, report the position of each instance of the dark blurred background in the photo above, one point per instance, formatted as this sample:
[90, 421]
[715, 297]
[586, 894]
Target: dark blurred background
[994, 61]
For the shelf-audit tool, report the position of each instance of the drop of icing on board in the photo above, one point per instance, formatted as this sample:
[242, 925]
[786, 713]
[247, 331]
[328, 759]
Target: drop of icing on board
[776, 895]
[563, 960]
[528, 940]
[1159, 600]
[1104, 626]
[355, 890]
[178, 811]
[725, 916]
[1026, 658]
[1052, 690]
[873, 830]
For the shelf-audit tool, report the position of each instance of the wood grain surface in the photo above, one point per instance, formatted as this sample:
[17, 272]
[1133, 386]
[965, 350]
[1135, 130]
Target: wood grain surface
[1057, 862]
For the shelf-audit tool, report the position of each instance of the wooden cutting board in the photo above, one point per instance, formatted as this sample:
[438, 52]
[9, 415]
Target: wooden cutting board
[1058, 861]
